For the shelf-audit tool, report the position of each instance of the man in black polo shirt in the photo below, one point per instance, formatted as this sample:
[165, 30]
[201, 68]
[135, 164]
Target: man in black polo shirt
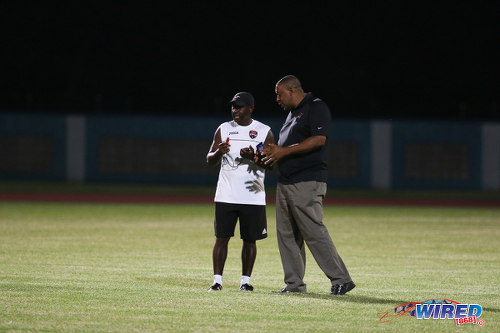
[302, 158]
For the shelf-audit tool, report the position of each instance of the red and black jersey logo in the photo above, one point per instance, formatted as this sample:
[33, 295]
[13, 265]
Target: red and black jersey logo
[253, 134]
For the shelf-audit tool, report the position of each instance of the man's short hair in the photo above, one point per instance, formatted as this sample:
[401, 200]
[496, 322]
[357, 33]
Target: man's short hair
[290, 82]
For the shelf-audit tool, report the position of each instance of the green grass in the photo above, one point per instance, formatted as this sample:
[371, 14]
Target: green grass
[147, 268]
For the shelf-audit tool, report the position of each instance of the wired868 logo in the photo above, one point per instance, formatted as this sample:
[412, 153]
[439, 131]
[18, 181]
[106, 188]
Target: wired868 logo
[437, 309]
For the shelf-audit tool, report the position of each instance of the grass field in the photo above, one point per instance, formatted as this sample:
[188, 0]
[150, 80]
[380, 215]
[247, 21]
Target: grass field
[75, 267]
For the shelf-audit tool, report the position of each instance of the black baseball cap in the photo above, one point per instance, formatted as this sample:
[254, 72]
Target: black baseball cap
[242, 98]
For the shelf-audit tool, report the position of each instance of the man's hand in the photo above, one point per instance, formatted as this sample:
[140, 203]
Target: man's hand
[247, 153]
[273, 153]
[223, 148]
[217, 149]
[215, 156]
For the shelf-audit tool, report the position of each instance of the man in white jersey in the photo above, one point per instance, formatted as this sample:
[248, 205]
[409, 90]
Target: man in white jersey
[240, 193]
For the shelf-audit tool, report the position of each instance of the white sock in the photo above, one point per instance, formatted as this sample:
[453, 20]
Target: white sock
[245, 279]
[218, 279]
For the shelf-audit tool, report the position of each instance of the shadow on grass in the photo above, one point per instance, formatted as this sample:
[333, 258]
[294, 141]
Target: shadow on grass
[350, 298]
[491, 310]
[357, 299]
[345, 298]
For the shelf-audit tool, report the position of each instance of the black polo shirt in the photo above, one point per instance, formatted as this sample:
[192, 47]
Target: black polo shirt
[312, 117]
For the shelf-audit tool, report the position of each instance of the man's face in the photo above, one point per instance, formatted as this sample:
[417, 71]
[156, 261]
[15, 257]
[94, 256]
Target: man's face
[284, 97]
[241, 114]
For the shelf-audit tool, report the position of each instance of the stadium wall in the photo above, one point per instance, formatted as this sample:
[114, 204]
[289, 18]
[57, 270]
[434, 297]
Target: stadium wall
[172, 150]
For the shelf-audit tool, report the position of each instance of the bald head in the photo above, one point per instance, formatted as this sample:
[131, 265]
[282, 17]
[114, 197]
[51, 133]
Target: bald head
[289, 92]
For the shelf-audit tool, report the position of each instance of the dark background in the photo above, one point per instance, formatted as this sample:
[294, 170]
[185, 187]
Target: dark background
[383, 60]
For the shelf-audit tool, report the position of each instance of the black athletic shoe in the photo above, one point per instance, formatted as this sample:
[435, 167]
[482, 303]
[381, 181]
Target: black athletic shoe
[215, 287]
[341, 289]
[246, 287]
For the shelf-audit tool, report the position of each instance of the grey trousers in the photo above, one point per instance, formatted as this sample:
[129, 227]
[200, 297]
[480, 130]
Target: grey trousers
[299, 219]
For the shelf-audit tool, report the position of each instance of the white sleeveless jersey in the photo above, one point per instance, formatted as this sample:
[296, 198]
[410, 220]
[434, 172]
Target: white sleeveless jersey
[241, 181]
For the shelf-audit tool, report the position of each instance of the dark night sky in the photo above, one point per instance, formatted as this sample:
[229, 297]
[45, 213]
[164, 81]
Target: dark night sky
[364, 60]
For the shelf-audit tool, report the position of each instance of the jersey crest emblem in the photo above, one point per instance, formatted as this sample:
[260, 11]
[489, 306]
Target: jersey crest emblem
[253, 134]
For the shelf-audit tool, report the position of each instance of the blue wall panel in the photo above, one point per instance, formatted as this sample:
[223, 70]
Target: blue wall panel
[196, 135]
[359, 132]
[436, 133]
[176, 129]
[43, 126]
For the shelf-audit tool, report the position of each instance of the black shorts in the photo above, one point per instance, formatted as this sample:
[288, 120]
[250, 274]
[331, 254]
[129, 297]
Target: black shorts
[253, 221]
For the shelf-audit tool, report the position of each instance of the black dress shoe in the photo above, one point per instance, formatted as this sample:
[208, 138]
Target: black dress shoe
[293, 290]
[283, 290]
[341, 289]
